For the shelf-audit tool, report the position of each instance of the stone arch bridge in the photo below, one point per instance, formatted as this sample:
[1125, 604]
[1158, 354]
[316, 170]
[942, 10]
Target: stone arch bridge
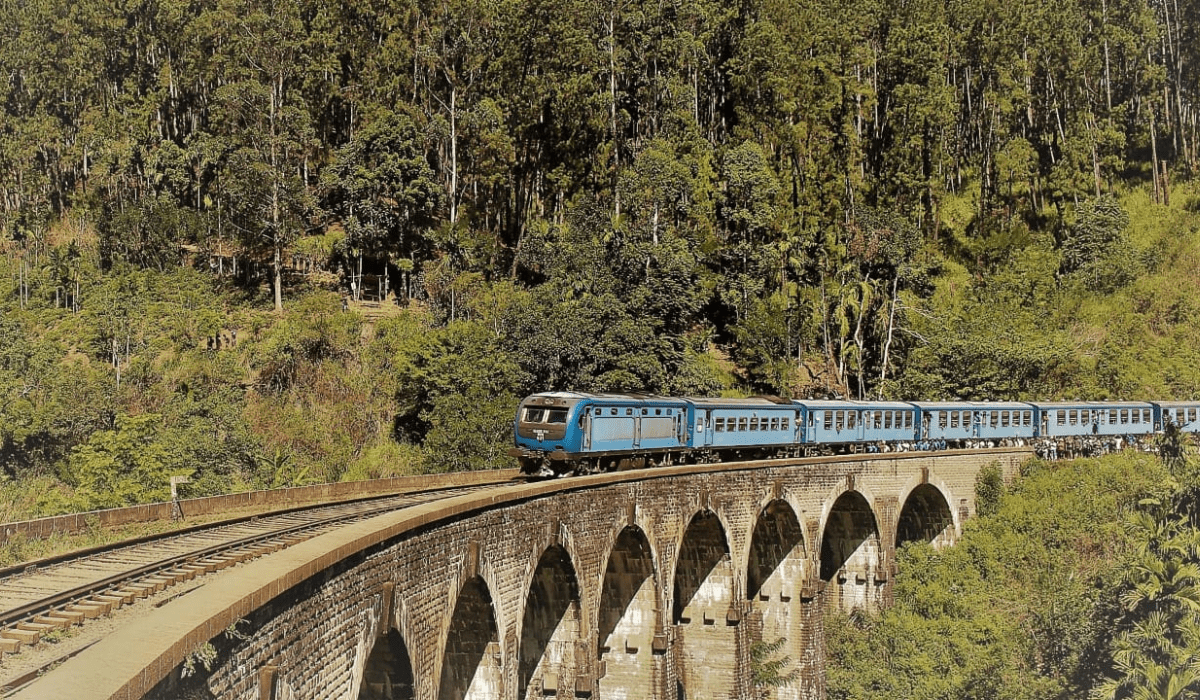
[624, 586]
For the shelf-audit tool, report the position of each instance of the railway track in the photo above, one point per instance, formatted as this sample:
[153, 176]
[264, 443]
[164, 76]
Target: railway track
[41, 598]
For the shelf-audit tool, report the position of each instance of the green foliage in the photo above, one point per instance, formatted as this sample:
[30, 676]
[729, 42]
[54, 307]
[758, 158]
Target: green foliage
[1097, 248]
[1018, 608]
[769, 670]
[989, 487]
[123, 466]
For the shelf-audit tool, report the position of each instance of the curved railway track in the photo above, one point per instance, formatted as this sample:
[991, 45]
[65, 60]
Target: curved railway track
[42, 597]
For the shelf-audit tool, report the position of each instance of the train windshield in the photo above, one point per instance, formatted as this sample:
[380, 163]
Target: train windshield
[544, 415]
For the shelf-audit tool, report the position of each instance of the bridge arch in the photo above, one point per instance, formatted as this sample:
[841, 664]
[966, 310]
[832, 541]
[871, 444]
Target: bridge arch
[702, 601]
[851, 554]
[926, 516]
[550, 628]
[472, 668]
[627, 620]
[388, 671]
[775, 574]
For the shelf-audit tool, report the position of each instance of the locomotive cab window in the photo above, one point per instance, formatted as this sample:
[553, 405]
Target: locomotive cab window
[556, 416]
[534, 415]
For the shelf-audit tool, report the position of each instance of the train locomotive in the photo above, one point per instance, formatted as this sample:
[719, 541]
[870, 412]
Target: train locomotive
[562, 433]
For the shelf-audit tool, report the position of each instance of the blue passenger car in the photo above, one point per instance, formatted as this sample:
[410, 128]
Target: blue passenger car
[955, 421]
[731, 424]
[847, 422]
[1184, 414]
[1080, 418]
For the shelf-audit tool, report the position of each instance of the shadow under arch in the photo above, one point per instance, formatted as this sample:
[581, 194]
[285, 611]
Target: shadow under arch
[925, 517]
[388, 674]
[628, 608]
[775, 575]
[471, 667]
[550, 627]
[706, 636]
[850, 553]
[777, 552]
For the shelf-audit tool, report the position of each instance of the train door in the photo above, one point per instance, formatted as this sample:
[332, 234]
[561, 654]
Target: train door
[585, 423]
[637, 428]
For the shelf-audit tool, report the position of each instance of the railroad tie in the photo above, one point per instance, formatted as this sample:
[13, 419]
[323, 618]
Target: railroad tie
[89, 611]
[54, 621]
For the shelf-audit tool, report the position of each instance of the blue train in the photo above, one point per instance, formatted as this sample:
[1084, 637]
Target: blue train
[560, 433]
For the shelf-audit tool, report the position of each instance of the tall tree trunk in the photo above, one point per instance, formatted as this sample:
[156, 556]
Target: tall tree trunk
[276, 233]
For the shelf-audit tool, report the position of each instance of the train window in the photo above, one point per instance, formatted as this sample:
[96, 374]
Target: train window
[1004, 419]
[1124, 415]
[1060, 417]
[908, 419]
[993, 418]
[629, 411]
[840, 417]
[887, 420]
[1191, 415]
[941, 419]
[1028, 418]
[966, 419]
[719, 425]
[1145, 415]
[851, 419]
[556, 416]
[534, 415]
[754, 423]
[1113, 416]
[785, 423]
[878, 420]
[743, 423]
[1135, 417]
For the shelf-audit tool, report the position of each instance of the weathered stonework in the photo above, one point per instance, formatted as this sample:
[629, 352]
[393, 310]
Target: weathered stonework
[620, 586]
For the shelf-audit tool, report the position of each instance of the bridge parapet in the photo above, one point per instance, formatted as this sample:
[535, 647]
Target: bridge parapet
[626, 585]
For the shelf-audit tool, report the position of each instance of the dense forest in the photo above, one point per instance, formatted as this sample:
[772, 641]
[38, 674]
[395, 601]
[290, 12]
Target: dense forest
[269, 243]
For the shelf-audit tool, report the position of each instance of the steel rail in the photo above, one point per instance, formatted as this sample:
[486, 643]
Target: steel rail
[48, 605]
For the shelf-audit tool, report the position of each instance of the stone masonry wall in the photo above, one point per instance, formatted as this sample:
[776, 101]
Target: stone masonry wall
[313, 639]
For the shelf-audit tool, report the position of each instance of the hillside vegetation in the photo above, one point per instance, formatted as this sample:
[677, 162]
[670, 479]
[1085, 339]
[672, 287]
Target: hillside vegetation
[1079, 582]
[922, 200]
